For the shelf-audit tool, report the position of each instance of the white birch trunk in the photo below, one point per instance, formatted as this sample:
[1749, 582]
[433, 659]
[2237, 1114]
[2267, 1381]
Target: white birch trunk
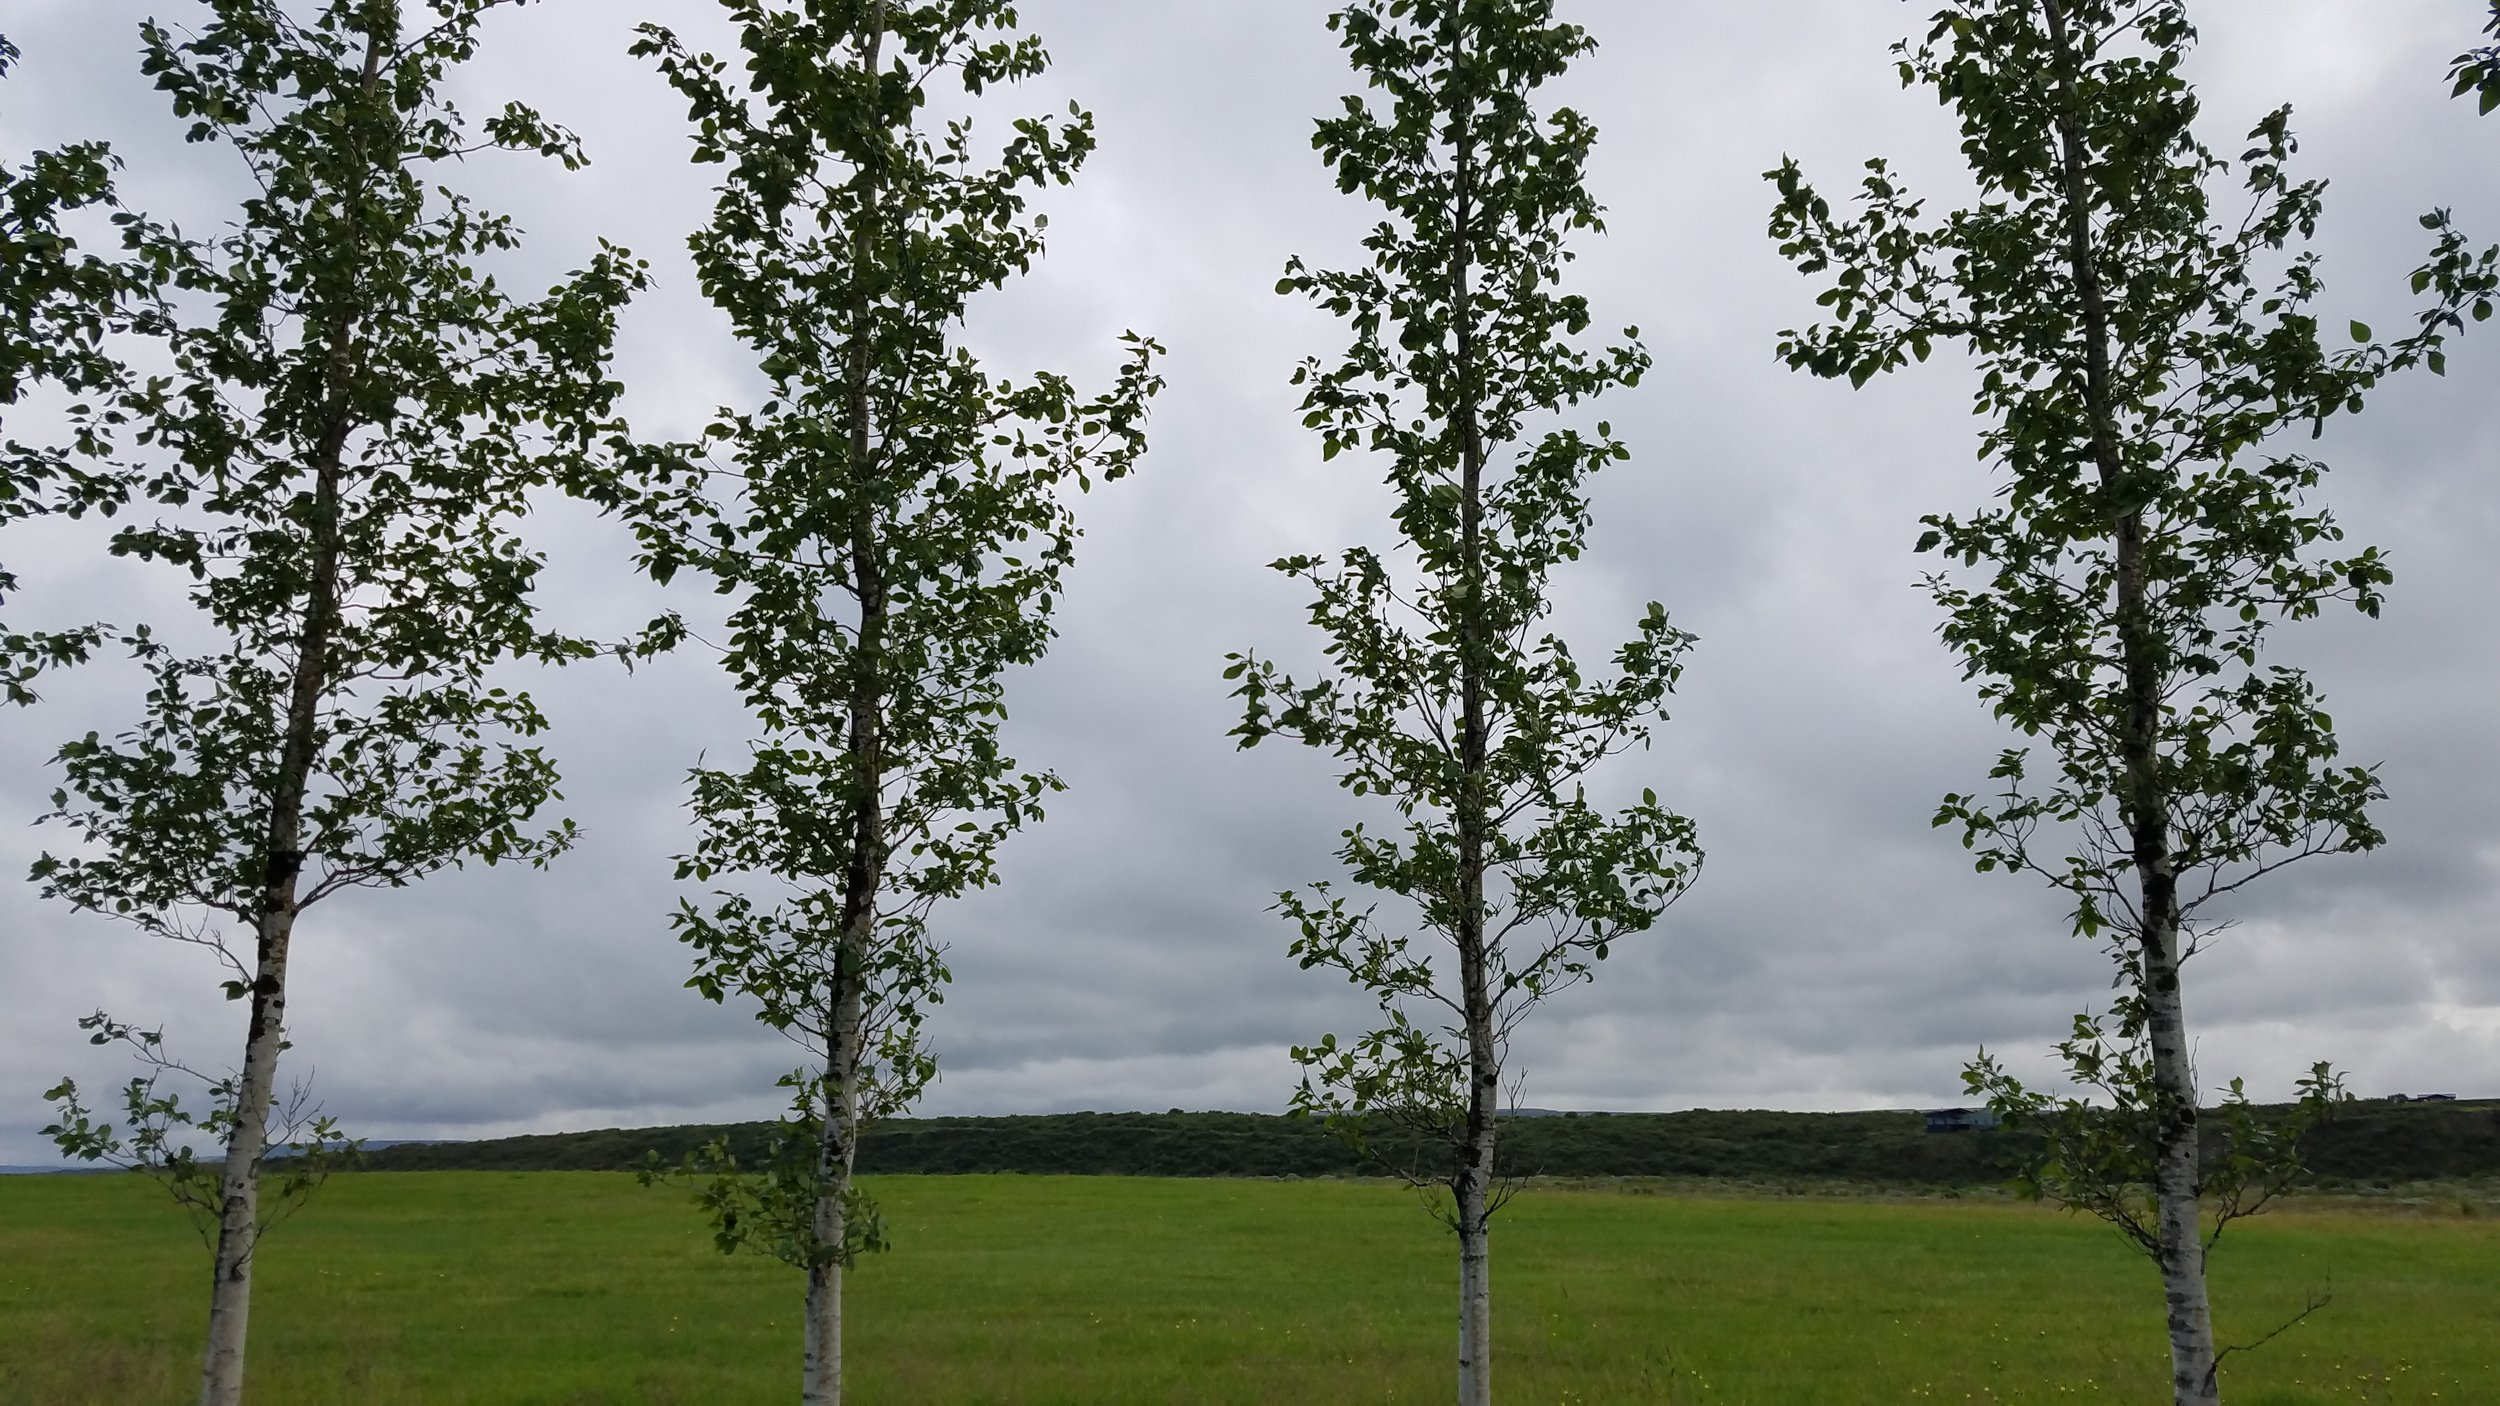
[822, 1383]
[282, 859]
[2178, 1179]
[837, 1154]
[864, 873]
[238, 1199]
[1475, 1287]
[2179, 1183]
[1474, 1181]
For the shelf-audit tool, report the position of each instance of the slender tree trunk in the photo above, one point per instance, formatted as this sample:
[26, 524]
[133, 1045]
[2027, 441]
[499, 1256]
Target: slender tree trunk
[1475, 1287]
[1474, 1173]
[865, 872]
[282, 858]
[2178, 1179]
[238, 1217]
[837, 1152]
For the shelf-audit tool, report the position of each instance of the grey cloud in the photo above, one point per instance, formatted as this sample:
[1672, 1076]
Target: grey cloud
[1837, 953]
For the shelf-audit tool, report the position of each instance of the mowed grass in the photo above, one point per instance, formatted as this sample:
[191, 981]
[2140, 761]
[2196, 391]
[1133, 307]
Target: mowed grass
[573, 1289]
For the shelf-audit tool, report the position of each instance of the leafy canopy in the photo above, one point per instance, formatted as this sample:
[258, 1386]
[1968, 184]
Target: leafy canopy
[2143, 337]
[891, 523]
[2212, 353]
[1463, 364]
[355, 417]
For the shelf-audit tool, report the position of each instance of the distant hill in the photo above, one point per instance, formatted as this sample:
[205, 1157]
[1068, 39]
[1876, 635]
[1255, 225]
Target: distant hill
[2374, 1143]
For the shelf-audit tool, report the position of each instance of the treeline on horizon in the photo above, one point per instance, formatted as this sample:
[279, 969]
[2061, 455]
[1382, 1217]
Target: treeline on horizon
[2371, 1144]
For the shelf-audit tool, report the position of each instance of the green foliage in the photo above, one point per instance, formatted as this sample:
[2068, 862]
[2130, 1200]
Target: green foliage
[1879, 1149]
[2367, 1143]
[163, 1135]
[354, 417]
[345, 323]
[2095, 1149]
[60, 311]
[891, 524]
[2477, 71]
[767, 1203]
[2139, 353]
[1444, 693]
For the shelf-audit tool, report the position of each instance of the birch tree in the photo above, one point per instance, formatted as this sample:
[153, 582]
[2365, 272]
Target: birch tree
[892, 524]
[60, 311]
[2141, 356]
[1447, 694]
[354, 419]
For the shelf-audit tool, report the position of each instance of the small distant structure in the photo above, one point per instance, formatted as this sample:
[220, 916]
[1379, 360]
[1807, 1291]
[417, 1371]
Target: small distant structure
[1960, 1120]
[2421, 1098]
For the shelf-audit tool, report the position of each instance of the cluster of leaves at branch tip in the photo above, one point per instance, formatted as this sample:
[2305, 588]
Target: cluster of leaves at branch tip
[1461, 359]
[2138, 352]
[2477, 71]
[351, 421]
[892, 523]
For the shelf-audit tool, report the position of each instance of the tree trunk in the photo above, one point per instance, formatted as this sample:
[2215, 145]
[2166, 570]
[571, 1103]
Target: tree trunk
[1475, 1284]
[822, 1383]
[238, 1197]
[2144, 806]
[282, 862]
[1473, 1182]
[864, 873]
[837, 1150]
[238, 1213]
[2178, 1177]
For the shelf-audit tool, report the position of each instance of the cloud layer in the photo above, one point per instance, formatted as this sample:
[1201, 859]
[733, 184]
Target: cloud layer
[1838, 953]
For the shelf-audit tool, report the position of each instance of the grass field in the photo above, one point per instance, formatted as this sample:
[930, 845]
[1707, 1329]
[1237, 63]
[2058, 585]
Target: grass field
[569, 1289]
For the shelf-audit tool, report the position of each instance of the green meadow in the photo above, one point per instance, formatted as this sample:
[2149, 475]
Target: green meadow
[568, 1289]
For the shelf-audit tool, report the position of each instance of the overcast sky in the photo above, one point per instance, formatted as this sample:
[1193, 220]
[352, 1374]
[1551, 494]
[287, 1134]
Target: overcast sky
[1837, 954]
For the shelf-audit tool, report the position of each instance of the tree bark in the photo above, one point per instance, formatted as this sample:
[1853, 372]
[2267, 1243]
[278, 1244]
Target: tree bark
[282, 861]
[1475, 1292]
[2178, 1185]
[2179, 1179]
[865, 871]
[1473, 1186]
[238, 1220]
[837, 1150]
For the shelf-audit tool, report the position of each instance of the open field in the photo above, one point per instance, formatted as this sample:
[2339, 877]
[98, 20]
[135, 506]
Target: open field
[569, 1289]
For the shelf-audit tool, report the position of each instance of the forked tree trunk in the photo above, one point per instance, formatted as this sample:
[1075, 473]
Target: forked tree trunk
[2144, 806]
